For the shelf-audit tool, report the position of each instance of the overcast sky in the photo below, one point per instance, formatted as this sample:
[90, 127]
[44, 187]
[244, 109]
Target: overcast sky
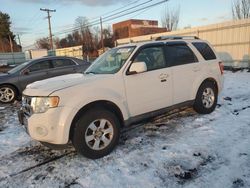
[30, 22]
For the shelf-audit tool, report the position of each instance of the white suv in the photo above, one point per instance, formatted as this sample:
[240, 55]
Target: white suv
[125, 85]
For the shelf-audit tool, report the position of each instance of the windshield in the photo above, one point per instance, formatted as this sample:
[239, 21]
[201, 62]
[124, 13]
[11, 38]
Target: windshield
[18, 68]
[111, 61]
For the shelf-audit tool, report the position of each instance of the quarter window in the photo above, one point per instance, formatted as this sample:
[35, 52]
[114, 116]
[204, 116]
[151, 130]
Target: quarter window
[204, 50]
[153, 57]
[179, 54]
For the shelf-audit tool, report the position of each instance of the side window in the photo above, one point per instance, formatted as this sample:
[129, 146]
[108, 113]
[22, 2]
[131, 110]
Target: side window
[42, 65]
[179, 54]
[153, 57]
[62, 63]
[205, 50]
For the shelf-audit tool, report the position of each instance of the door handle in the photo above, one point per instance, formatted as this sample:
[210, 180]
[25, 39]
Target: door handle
[163, 77]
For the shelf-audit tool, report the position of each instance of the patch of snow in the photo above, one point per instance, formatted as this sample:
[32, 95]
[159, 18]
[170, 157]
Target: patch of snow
[184, 150]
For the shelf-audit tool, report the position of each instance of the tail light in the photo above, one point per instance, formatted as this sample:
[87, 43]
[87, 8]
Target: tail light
[221, 68]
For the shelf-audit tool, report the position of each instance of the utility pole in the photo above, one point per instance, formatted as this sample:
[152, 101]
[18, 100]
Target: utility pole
[102, 35]
[11, 44]
[19, 41]
[50, 33]
[11, 47]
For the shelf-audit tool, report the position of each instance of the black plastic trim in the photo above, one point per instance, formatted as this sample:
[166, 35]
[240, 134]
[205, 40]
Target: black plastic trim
[142, 117]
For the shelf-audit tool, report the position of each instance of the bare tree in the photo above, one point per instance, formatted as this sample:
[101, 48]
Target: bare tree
[170, 18]
[108, 38]
[56, 41]
[82, 24]
[241, 9]
[96, 37]
[43, 43]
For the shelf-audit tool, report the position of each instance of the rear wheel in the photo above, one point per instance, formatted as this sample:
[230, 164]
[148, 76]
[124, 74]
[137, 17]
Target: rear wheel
[8, 94]
[206, 98]
[96, 133]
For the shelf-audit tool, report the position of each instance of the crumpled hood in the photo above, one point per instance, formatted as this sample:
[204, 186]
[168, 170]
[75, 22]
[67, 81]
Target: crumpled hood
[48, 86]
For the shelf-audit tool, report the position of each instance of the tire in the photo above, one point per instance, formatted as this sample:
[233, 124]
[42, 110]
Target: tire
[96, 133]
[206, 98]
[8, 94]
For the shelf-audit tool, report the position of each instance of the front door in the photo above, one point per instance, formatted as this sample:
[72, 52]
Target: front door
[150, 90]
[35, 72]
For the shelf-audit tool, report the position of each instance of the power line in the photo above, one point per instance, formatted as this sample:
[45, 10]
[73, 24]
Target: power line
[112, 13]
[124, 6]
[115, 16]
[150, 6]
[31, 45]
[34, 20]
[111, 18]
[97, 21]
[128, 9]
[142, 12]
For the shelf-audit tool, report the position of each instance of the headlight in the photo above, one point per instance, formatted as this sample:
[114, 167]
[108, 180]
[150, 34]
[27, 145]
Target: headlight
[42, 104]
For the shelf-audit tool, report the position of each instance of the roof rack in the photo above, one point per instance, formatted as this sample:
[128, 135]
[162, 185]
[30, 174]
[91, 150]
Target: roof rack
[175, 37]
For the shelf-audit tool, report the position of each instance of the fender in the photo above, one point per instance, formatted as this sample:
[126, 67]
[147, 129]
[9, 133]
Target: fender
[102, 94]
[199, 81]
[72, 107]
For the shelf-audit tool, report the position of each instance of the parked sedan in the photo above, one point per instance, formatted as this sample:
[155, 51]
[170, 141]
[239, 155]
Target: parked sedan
[14, 81]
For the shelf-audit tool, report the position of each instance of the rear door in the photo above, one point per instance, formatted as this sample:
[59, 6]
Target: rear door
[63, 66]
[185, 69]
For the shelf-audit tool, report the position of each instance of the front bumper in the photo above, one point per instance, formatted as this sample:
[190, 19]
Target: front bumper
[52, 126]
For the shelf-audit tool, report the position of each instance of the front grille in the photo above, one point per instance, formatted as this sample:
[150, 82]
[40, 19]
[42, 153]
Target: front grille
[26, 106]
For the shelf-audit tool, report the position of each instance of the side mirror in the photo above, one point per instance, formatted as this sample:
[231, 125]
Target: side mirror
[26, 72]
[137, 67]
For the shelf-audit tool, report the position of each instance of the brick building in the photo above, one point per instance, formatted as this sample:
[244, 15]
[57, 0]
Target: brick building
[133, 28]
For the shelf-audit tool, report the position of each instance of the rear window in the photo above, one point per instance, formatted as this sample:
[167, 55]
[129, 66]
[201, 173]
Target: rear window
[205, 50]
[62, 63]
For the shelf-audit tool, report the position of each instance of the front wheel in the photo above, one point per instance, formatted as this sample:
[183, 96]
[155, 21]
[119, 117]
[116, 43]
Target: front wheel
[206, 98]
[8, 94]
[96, 133]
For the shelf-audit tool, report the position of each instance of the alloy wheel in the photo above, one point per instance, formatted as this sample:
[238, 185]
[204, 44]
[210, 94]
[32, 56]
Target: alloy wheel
[208, 97]
[99, 134]
[6, 94]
